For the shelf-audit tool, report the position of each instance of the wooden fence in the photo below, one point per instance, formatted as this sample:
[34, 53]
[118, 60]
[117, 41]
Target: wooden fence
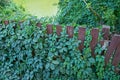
[112, 41]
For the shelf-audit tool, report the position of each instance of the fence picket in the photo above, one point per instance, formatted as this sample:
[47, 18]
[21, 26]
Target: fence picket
[70, 31]
[58, 30]
[38, 25]
[94, 33]
[116, 58]
[49, 29]
[113, 45]
[81, 36]
[6, 22]
[106, 32]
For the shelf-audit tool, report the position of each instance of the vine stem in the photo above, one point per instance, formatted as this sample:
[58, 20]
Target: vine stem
[93, 11]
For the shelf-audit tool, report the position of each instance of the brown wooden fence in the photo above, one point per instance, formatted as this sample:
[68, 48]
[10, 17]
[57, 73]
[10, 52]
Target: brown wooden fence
[112, 42]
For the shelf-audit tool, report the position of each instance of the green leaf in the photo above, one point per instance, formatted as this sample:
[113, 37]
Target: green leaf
[55, 62]
[52, 67]
[47, 66]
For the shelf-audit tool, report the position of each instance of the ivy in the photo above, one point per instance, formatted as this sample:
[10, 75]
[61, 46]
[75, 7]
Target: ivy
[28, 53]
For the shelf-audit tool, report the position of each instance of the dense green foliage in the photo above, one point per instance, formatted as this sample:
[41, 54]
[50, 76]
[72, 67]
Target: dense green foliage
[4, 3]
[28, 53]
[10, 11]
[91, 13]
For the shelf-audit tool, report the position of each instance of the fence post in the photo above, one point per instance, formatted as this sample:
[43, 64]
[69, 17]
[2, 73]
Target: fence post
[81, 36]
[116, 58]
[49, 29]
[58, 30]
[38, 25]
[20, 23]
[70, 31]
[106, 36]
[106, 32]
[6, 22]
[113, 45]
[93, 43]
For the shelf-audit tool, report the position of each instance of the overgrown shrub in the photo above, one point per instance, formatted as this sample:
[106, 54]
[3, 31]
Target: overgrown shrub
[28, 53]
[10, 11]
[90, 12]
[4, 3]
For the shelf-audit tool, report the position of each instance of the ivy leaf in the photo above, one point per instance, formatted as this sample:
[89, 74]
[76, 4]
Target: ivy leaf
[47, 66]
[52, 67]
[55, 62]
[92, 60]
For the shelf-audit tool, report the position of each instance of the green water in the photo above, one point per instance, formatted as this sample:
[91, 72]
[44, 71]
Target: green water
[39, 8]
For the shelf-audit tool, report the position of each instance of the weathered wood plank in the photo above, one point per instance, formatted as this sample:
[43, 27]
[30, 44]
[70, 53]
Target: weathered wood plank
[58, 30]
[106, 32]
[116, 58]
[49, 29]
[93, 43]
[70, 31]
[38, 25]
[113, 45]
[6, 22]
[81, 36]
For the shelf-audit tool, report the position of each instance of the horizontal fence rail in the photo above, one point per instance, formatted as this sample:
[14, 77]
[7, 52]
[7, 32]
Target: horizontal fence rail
[111, 42]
